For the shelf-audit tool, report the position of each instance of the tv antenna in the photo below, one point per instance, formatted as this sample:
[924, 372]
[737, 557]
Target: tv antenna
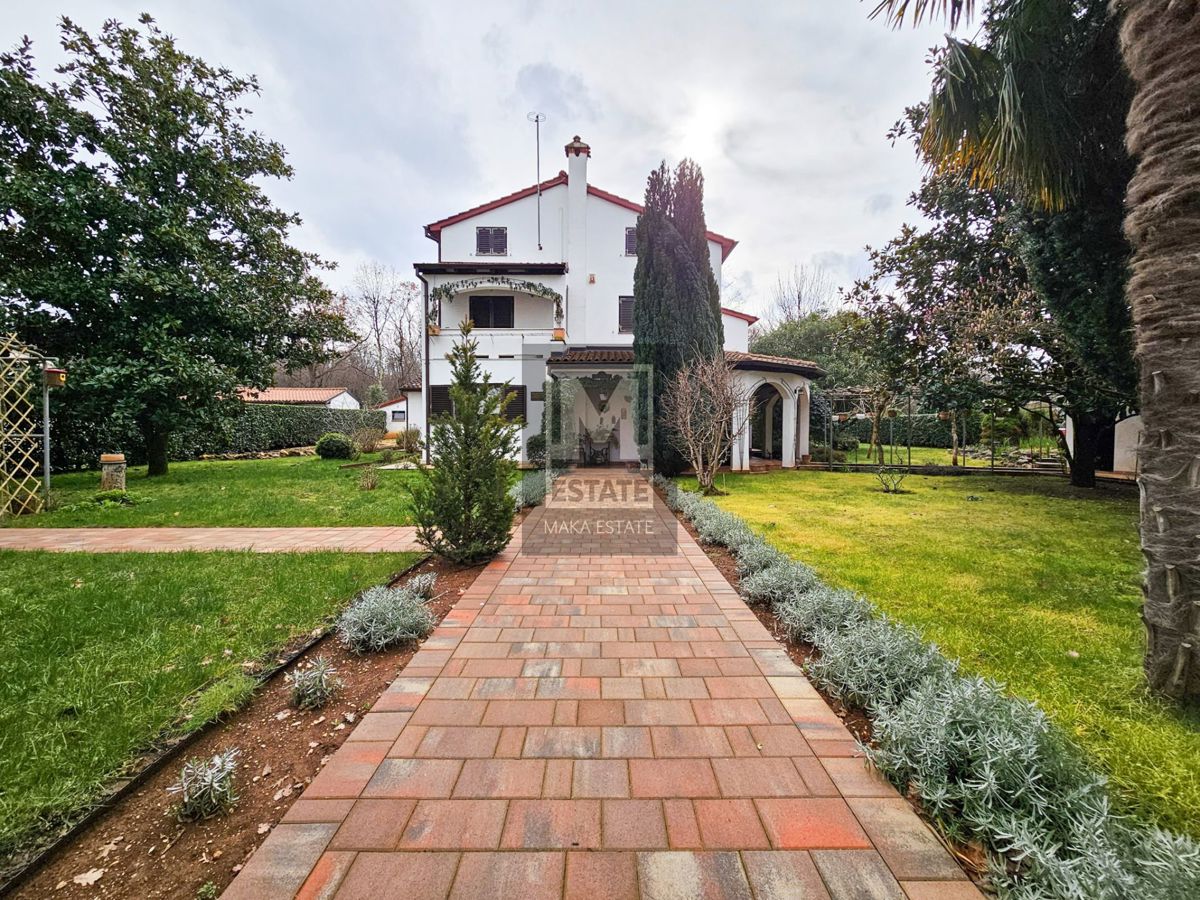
[537, 119]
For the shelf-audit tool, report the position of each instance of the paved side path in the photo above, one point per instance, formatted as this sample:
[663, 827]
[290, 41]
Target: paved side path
[158, 540]
[601, 726]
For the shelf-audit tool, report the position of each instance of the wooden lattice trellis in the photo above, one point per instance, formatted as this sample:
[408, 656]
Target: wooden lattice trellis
[20, 429]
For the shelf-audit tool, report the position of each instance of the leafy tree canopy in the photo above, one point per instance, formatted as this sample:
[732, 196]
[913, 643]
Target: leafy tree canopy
[136, 243]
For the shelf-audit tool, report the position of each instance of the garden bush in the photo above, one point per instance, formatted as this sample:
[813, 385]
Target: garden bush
[805, 614]
[383, 617]
[461, 504]
[335, 445]
[367, 438]
[535, 449]
[777, 582]
[314, 685]
[422, 585]
[408, 441]
[206, 787]
[927, 430]
[531, 488]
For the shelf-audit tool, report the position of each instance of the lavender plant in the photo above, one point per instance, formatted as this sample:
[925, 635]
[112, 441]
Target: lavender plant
[314, 685]
[383, 617]
[206, 787]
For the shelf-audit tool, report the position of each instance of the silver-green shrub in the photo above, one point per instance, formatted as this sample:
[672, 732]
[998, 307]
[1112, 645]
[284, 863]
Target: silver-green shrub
[821, 608]
[875, 664]
[382, 617]
[422, 585]
[777, 582]
[758, 554]
[206, 787]
[314, 685]
[532, 487]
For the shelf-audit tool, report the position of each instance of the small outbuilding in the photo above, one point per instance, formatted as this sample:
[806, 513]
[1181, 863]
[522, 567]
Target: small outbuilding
[330, 397]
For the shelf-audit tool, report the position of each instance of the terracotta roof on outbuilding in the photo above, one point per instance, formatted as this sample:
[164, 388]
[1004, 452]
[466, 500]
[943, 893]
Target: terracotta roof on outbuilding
[290, 394]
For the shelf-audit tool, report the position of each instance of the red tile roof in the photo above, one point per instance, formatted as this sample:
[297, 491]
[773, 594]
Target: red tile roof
[738, 314]
[739, 360]
[398, 397]
[433, 229]
[290, 395]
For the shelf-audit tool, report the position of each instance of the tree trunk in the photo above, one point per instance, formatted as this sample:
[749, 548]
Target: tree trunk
[156, 452]
[1088, 430]
[953, 437]
[1159, 40]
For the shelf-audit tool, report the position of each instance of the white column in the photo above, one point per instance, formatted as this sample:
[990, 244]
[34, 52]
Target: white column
[740, 454]
[803, 452]
[769, 427]
[789, 431]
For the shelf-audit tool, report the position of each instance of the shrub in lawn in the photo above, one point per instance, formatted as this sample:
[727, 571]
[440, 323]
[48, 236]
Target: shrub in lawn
[891, 477]
[422, 585]
[367, 438]
[116, 498]
[206, 787]
[409, 441]
[314, 685]
[819, 608]
[875, 664]
[335, 445]
[461, 503]
[383, 617]
[368, 480]
[387, 456]
[777, 582]
[535, 449]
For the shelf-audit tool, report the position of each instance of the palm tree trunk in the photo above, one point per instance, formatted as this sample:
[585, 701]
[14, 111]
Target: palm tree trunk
[1159, 41]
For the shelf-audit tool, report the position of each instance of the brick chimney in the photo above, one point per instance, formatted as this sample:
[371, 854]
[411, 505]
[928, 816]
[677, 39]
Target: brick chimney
[577, 160]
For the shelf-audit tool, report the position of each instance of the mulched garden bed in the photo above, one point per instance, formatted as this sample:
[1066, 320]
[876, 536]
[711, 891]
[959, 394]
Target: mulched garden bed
[972, 858]
[138, 849]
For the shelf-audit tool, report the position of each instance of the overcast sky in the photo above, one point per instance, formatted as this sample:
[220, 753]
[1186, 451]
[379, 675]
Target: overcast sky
[396, 114]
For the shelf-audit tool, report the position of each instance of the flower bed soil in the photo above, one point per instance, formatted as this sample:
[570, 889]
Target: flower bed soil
[138, 849]
[972, 857]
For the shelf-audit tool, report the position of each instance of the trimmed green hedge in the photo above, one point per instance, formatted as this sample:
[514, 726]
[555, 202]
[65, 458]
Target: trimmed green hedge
[259, 428]
[927, 430]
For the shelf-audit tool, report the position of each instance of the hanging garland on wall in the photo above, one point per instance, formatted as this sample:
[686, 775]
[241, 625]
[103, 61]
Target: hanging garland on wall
[444, 292]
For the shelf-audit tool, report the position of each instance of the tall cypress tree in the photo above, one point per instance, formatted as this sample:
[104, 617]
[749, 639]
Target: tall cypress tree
[677, 311]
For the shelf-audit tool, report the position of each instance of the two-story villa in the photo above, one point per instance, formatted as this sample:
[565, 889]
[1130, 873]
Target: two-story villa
[545, 275]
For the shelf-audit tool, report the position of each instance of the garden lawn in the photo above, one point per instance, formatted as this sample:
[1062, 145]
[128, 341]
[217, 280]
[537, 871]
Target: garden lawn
[1026, 580]
[100, 654]
[291, 491]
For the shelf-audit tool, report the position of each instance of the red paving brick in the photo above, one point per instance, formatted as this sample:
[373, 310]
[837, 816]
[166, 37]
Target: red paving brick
[604, 720]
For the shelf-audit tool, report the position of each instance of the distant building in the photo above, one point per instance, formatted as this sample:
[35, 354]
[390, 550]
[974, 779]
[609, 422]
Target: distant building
[399, 409]
[331, 397]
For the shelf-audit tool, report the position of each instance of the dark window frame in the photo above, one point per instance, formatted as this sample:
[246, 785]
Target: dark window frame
[399, 415]
[631, 233]
[476, 303]
[621, 304]
[486, 243]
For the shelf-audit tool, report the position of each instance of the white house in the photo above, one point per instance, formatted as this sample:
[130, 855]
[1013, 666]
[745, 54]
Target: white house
[397, 409]
[1118, 451]
[331, 397]
[545, 274]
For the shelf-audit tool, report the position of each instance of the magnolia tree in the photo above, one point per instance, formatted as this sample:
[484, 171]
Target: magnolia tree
[705, 411]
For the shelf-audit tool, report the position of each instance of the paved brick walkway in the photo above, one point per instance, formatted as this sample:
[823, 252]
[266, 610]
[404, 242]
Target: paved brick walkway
[158, 540]
[603, 726]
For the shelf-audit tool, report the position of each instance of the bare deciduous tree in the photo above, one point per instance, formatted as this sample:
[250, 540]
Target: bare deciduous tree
[804, 292]
[705, 411]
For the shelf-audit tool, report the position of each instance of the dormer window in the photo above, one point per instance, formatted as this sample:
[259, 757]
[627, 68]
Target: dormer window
[631, 242]
[491, 240]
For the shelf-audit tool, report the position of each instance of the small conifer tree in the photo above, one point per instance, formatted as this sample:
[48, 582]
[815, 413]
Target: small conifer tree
[460, 503]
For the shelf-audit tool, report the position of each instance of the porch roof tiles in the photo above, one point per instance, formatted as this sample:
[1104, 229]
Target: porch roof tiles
[737, 359]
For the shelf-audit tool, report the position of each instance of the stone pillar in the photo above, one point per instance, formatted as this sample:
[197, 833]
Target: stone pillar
[789, 431]
[112, 471]
[805, 425]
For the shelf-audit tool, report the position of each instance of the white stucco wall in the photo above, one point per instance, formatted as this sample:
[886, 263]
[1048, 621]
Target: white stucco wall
[737, 333]
[343, 401]
[1127, 436]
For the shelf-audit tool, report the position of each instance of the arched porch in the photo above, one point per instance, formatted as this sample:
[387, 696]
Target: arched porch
[773, 421]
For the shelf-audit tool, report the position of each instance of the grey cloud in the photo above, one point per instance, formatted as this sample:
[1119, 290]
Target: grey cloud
[550, 90]
[878, 203]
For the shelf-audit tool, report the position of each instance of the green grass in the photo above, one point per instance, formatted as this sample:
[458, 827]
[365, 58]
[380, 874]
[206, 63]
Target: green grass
[1009, 582]
[101, 654]
[294, 491]
[898, 456]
